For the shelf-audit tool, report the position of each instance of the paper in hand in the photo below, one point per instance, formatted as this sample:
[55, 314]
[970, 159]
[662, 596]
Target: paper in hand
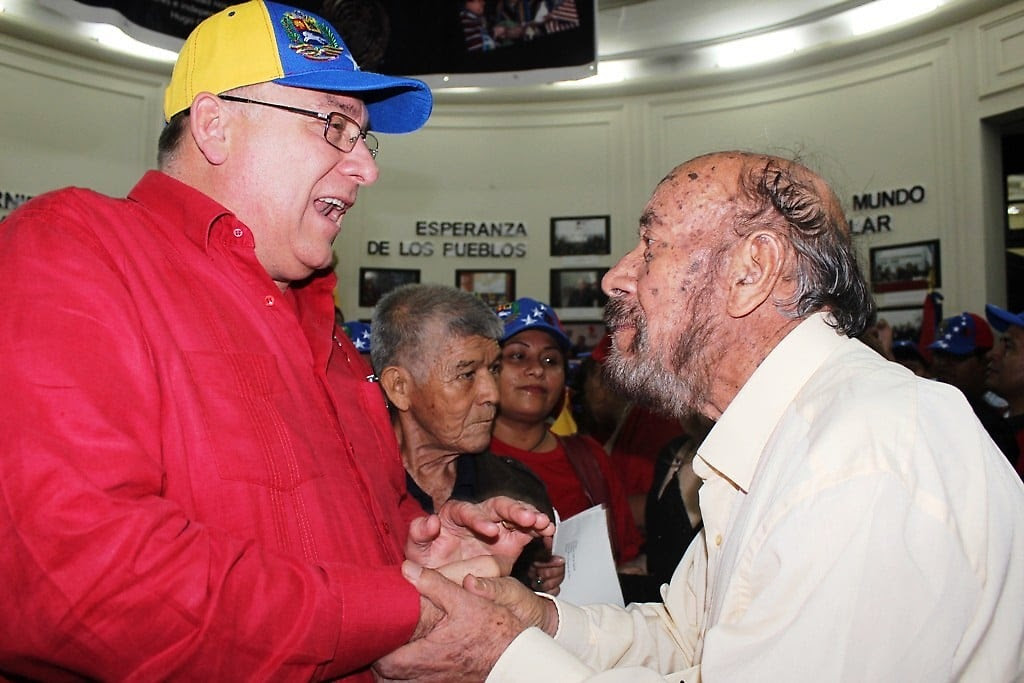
[589, 566]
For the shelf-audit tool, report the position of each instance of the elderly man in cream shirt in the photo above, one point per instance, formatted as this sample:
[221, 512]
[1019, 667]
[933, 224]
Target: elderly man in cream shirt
[860, 525]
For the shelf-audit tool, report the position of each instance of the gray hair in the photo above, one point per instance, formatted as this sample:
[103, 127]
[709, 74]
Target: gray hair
[405, 317]
[827, 273]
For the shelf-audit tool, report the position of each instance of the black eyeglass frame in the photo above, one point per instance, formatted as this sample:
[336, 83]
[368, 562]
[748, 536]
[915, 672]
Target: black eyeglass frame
[369, 139]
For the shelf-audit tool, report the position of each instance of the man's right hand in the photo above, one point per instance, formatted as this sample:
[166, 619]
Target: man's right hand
[460, 635]
[530, 608]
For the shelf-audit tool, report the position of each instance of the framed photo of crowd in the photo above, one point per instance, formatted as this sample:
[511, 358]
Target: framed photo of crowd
[493, 286]
[583, 334]
[376, 282]
[581, 236]
[577, 288]
[905, 321]
[902, 267]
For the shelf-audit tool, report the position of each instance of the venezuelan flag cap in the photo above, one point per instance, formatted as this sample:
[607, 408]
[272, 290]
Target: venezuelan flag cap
[257, 42]
[529, 314]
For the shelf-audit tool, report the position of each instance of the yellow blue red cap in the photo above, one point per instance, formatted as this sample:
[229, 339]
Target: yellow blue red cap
[259, 42]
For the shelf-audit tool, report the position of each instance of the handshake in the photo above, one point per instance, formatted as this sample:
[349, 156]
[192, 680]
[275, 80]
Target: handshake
[470, 609]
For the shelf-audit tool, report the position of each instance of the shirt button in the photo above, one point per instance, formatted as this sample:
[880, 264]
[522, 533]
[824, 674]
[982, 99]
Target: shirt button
[387, 528]
[237, 232]
[268, 301]
[718, 539]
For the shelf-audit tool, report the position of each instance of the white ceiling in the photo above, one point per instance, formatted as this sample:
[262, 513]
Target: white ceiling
[653, 25]
[642, 44]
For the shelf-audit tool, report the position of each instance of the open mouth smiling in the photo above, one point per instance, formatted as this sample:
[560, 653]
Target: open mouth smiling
[332, 208]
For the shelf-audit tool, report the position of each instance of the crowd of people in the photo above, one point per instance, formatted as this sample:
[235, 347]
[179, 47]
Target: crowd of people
[988, 368]
[491, 24]
[203, 477]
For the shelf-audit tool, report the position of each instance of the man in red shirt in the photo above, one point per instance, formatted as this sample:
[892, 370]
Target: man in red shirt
[197, 480]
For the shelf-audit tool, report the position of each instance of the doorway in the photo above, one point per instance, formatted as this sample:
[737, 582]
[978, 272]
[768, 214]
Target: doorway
[1013, 227]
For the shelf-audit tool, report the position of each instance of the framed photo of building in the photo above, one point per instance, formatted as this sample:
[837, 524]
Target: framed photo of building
[577, 288]
[581, 235]
[376, 282]
[493, 286]
[902, 267]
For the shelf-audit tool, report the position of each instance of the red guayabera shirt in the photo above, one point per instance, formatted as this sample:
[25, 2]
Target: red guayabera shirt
[196, 481]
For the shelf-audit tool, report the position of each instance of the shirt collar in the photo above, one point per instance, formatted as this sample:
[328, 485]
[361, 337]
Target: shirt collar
[735, 443]
[463, 489]
[182, 209]
[181, 206]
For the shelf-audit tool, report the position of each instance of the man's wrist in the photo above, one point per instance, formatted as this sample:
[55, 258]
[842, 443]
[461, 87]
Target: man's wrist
[549, 619]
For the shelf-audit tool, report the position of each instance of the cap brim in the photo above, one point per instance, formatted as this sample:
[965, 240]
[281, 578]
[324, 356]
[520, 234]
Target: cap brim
[395, 105]
[1000, 319]
[558, 335]
[952, 349]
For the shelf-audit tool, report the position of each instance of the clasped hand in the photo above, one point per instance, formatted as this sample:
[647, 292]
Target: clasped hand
[465, 541]
[472, 624]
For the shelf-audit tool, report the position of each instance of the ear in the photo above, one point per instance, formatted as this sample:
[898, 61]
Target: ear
[208, 124]
[756, 267]
[396, 383]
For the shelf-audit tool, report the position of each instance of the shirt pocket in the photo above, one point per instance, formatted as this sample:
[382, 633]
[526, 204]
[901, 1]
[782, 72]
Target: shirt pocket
[256, 430]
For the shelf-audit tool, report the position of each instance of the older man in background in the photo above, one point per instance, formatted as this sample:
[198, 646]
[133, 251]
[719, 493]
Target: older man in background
[859, 524]
[436, 352]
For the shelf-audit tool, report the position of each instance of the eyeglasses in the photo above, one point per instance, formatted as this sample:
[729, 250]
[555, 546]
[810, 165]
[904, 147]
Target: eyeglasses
[340, 131]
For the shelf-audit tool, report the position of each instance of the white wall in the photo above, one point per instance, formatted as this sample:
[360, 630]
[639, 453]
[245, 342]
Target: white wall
[896, 117]
[68, 120]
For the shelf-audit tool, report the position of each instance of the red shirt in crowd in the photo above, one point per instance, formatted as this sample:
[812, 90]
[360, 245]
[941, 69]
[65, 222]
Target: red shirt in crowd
[196, 480]
[565, 489]
[637, 444]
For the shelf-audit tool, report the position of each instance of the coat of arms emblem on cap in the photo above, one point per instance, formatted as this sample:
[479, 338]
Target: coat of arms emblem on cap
[310, 37]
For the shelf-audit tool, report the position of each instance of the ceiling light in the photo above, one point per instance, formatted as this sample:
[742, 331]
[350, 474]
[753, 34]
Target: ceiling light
[883, 13]
[757, 49]
[114, 38]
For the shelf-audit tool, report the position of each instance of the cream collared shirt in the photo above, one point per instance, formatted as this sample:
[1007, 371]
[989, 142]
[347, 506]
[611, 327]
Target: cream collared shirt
[859, 526]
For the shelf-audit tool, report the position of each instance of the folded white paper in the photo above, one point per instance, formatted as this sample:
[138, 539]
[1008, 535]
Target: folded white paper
[589, 567]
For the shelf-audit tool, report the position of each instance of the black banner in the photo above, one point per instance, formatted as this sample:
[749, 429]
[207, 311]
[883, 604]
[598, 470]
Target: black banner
[398, 37]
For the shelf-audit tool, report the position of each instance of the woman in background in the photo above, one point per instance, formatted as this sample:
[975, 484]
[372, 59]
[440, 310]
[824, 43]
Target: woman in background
[575, 469]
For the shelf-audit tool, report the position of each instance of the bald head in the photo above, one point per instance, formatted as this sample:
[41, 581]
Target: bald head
[737, 193]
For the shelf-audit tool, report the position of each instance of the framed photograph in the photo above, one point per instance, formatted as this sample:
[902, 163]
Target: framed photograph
[581, 235]
[904, 321]
[493, 286]
[577, 288]
[584, 334]
[376, 282]
[902, 267]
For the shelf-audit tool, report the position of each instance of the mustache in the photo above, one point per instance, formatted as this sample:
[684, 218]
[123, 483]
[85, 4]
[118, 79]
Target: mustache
[619, 313]
[616, 313]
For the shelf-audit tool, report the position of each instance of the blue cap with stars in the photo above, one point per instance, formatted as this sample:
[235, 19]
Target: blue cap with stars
[530, 314]
[359, 333]
[1002, 319]
[962, 335]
